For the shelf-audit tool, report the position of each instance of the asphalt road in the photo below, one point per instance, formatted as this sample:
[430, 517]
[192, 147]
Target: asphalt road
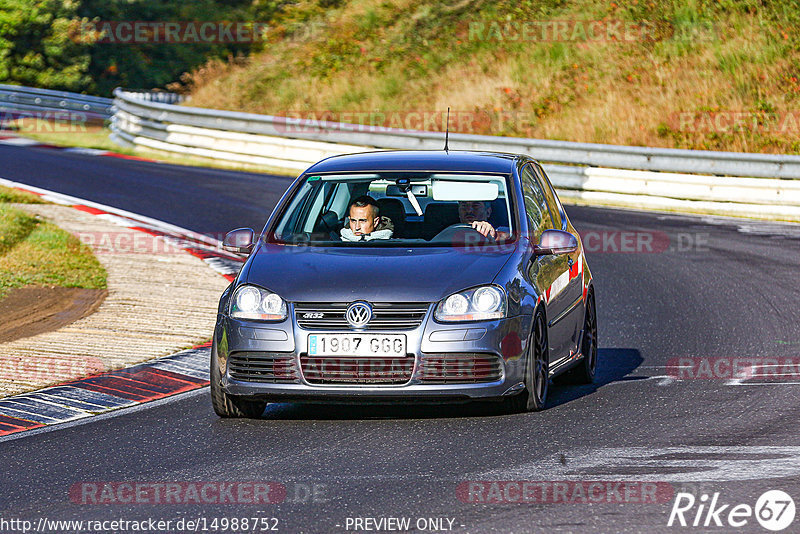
[719, 290]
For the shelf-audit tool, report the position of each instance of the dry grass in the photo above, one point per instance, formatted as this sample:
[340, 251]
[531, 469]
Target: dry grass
[415, 56]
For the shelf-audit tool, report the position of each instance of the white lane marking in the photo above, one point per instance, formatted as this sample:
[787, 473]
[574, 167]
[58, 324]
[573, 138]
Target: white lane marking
[756, 227]
[744, 379]
[770, 229]
[699, 463]
[751, 373]
[56, 200]
[786, 370]
[115, 219]
[86, 151]
[663, 380]
[20, 141]
[763, 383]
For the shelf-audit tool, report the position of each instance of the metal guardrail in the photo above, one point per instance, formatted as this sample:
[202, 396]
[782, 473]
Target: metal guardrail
[29, 101]
[161, 97]
[24, 101]
[757, 185]
[597, 155]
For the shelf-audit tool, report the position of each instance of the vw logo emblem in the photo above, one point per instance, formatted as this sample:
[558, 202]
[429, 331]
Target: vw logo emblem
[358, 314]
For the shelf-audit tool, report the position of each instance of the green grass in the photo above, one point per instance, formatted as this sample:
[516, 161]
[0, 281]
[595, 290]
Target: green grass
[73, 136]
[34, 252]
[16, 196]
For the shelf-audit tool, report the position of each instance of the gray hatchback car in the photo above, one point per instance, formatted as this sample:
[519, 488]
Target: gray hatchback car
[407, 276]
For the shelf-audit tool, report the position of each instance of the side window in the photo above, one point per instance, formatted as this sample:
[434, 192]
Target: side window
[321, 204]
[299, 205]
[550, 195]
[539, 218]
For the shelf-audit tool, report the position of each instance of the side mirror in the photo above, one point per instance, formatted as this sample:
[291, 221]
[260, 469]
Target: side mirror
[556, 242]
[239, 241]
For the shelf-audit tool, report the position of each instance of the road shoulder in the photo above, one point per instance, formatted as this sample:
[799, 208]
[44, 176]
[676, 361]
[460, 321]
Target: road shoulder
[159, 302]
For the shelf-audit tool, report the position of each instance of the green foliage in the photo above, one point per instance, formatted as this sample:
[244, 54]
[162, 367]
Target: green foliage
[36, 47]
[51, 43]
[149, 65]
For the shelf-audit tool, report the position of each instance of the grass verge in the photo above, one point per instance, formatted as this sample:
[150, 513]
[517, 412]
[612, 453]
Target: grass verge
[699, 74]
[15, 196]
[68, 134]
[34, 252]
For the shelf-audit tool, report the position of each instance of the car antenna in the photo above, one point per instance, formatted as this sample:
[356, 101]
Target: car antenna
[447, 131]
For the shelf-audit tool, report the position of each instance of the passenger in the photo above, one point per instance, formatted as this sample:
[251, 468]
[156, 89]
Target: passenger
[365, 222]
[477, 214]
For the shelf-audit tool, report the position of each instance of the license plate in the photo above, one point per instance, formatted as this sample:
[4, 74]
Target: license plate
[385, 345]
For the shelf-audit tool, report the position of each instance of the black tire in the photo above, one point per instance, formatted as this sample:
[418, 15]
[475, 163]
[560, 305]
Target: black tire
[537, 371]
[584, 372]
[230, 405]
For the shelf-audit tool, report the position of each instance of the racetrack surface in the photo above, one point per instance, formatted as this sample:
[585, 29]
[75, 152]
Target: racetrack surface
[727, 289]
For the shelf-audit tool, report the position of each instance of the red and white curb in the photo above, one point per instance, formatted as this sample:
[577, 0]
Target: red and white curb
[204, 247]
[14, 140]
[178, 373]
[170, 375]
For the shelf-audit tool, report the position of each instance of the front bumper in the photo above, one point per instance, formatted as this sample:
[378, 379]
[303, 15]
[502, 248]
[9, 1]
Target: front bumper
[504, 339]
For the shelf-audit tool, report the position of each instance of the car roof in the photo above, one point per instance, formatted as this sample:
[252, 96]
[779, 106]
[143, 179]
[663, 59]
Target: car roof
[419, 160]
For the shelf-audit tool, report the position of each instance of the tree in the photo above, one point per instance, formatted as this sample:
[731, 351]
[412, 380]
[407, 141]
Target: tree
[149, 65]
[37, 45]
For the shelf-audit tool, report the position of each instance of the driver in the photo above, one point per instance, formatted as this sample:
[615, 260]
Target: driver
[476, 213]
[364, 223]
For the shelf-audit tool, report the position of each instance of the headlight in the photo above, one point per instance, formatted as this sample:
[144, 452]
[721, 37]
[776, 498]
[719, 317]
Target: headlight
[250, 302]
[477, 304]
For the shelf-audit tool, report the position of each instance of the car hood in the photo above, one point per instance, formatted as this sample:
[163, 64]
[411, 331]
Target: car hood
[344, 274]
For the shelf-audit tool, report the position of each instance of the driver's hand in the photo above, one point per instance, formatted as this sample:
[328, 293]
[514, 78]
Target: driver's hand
[485, 229]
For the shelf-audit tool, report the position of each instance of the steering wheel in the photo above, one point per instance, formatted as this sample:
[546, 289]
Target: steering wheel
[463, 230]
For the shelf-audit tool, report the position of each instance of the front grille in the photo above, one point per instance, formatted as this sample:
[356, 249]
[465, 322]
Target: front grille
[385, 315]
[459, 368]
[262, 366]
[356, 370]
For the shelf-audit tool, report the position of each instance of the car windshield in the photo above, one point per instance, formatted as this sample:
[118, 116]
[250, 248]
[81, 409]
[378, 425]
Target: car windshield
[396, 209]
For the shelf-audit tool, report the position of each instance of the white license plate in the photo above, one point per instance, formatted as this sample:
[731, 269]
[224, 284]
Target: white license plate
[385, 345]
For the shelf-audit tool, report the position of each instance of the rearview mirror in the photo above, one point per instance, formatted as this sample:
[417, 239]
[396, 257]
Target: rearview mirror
[239, 241]
[556, 242]
[447, 190]
[416, 190]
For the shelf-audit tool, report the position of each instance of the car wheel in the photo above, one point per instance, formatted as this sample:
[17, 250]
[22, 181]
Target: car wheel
[230, 405]
[537, 371]
[584, 372]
